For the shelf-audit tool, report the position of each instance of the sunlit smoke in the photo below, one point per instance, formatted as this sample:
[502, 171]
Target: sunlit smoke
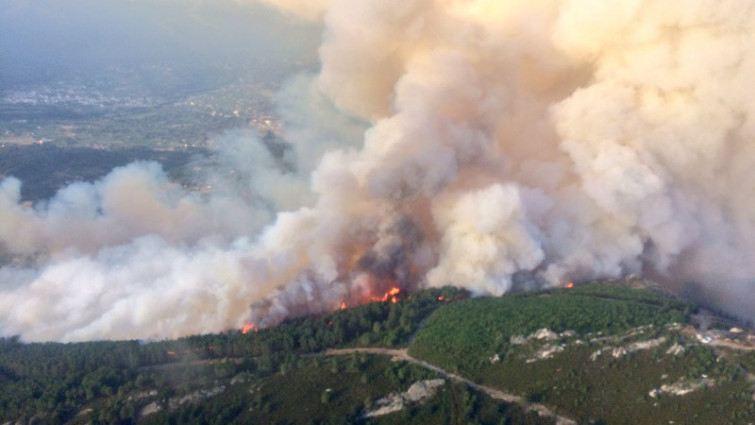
[511, 145]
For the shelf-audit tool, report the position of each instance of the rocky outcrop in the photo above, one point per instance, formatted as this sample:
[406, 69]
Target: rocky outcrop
[395, 402]
[675, 350]
[175, 403]
[546, 352]
[681, 387]
[621, 351]
[545, 334]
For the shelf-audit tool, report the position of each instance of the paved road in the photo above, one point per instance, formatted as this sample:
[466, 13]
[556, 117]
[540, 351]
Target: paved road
[492, 392]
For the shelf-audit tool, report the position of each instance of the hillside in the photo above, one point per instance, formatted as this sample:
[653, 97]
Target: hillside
[596, 353]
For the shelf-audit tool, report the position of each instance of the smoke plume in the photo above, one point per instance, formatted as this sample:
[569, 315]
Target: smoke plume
[509, 144]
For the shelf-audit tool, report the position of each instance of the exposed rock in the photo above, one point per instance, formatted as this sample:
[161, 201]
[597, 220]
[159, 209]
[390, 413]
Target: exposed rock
[84, 412]
[681, 387]
[544, 333]
[142, 395]
[423, 389]
[619, 352]
[150, 409]
[175, 403]
[495, 359]
[560, 420]
[675, 350]
[518, 340]
[541, 334]
[241, 378]
[394, 402]
[194, 397]
[646, 345]
[546, 352]
[594, 356]
[615, 338]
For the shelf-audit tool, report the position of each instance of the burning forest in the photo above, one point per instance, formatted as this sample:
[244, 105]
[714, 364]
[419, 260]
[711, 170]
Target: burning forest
[490, 145]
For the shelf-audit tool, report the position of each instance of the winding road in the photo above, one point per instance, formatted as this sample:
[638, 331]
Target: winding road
[403, 355]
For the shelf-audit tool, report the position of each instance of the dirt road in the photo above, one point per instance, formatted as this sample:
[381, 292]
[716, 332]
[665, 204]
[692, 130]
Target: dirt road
[402, 355]
[731, 344]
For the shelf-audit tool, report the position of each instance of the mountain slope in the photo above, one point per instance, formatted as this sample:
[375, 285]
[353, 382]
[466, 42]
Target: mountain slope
[598, 353]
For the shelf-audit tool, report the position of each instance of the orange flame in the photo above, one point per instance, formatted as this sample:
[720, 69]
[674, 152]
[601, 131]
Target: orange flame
[343, 306]
[440, 298]
[390, 295]
[570, 285]
[171, 353]
[249, 327]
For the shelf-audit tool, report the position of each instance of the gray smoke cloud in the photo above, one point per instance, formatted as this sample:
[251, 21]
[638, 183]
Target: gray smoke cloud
[520, 141]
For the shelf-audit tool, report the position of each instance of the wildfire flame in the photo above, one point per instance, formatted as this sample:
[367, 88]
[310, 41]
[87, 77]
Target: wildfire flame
[249, 327]
[392, 295]
[570, 285]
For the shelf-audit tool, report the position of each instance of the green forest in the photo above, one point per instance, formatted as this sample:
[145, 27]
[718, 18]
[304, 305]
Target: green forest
[597, 353]
[59, 379]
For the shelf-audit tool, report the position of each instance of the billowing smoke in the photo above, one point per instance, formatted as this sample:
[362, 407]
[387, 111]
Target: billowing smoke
[510, 144]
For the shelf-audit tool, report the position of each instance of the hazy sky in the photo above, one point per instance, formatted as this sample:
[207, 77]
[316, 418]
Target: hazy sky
[59, 39]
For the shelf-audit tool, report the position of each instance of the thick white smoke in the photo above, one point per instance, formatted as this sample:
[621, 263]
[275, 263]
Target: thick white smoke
[511, 144]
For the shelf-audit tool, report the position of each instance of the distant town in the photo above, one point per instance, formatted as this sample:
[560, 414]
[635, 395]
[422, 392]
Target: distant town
[108, 117]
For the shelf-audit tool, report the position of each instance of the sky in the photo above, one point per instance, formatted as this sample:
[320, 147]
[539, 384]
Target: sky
[43, 40]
